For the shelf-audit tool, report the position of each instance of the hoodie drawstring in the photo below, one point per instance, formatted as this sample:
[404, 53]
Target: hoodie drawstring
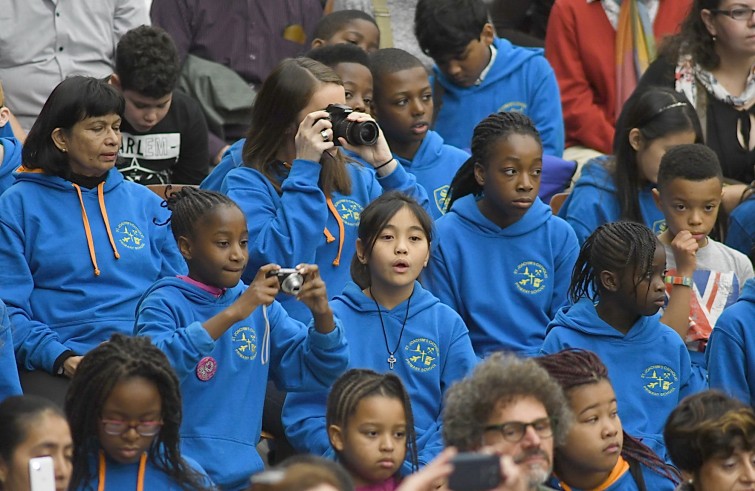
[329, 237]
[87, 228]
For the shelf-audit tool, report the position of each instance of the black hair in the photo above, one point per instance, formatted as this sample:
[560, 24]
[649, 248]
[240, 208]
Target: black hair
[333, 54]
[357, 384]
[693, 162]
[486, 133]
[444, 28]
[573, 368]
[706, 425]
[188, 205]
[656, 113]
[329, 25]
[391, 60]
[73, 100]
[615, 247]
[694, 38]
[345, 483]
[374, 219]
[17, 415]
[146, 61]
[121, 358]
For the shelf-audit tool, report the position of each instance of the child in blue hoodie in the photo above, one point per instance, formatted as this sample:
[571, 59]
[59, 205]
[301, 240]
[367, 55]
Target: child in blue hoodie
[404, 108]
[224, 339]
[617, 289]
[731, 348]
[477, 73]
[741, 233]
[619, 187]
[393, 325]
[124, 408]
[502, 260]
[597, 453]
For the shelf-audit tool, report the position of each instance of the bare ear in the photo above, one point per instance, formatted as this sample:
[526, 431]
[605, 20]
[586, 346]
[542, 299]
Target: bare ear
[657, 198]
[707, 18]
[4, 115]
[318, 42]
[635, 139]
[609, 280]
[336, 437]
[479, 174]
[361, 252]
[184, 245]
[115, 81]
[488, 34]
[59, 139]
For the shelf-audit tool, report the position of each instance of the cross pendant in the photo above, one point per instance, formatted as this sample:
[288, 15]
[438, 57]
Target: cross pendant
[392, 361]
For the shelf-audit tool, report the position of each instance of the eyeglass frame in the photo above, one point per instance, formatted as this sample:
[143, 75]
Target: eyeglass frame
[500, 428]
[730, 12]
[127, 426]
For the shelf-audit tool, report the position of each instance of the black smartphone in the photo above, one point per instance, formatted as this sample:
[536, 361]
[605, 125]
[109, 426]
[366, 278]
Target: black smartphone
[475, 472]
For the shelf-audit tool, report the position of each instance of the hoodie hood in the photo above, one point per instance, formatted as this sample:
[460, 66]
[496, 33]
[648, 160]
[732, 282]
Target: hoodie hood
[507, 61]
[194, 293]
[748, 291]
[428, 153]
[473, 219]
[583, 317]
[595, 174]
[355, 299]
[11, 157]
[112, 180]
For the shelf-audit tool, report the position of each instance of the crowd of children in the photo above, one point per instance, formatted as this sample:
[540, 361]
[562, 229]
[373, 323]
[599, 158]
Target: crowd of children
[376, 237]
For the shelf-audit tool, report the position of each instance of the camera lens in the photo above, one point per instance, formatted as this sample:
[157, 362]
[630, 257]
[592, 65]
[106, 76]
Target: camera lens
[364, 133]
[292, 284]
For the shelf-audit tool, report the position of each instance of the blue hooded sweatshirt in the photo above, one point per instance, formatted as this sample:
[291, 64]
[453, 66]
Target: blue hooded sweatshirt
[223, 415]
[125, 477]
[9, 384]
[231, 159]
[649, 366]
[74, 265]
[301, 226]
[520, 80]
[11, 161]
[626, 482]
[741, 233]
[506, 283]
[593, 201]
[731, 348]
[435, 165]
[433, 352]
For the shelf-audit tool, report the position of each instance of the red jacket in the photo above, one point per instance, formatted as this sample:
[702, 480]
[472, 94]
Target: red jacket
[585, 64]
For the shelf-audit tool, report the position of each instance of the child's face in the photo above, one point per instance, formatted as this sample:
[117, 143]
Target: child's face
[511, 179]
[134, 402]
[46, 435]
[357, 83]
[372, 446]
[649, 154]
[690, 205]
[465, 68]
[404, 105]
[399, 254]
[648, 296]
[594, 442]
[361, 32]
[217, 253]
[143, 112]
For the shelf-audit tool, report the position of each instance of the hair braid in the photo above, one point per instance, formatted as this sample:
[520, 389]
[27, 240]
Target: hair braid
[188, 205]
[357, 384]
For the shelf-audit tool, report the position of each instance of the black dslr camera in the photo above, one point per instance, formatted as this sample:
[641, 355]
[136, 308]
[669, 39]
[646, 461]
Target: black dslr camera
[356, 133]
[290, 280]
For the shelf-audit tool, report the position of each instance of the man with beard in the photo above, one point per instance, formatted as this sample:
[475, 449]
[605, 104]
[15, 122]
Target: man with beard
[509, 406]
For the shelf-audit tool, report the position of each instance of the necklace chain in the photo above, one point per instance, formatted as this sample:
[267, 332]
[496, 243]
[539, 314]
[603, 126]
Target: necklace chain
[392, 359]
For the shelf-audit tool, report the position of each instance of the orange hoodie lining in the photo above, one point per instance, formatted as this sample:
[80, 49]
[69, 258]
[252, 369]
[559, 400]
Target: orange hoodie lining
[619, 470]
[329, 236]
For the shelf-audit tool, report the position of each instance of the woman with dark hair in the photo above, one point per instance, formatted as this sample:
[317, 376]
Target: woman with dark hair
[78, 244]
[711, 61]
[301, 194]
[711, 439]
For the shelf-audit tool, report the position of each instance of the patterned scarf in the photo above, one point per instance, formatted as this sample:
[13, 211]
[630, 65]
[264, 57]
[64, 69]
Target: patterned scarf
[635, 47]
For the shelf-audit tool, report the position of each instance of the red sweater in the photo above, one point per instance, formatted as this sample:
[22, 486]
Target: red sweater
[585, 64]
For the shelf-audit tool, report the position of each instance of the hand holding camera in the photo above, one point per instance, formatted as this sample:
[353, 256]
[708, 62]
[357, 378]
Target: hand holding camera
[305, 283]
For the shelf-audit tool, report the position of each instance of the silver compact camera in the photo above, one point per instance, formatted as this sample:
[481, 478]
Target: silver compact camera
[289, 278]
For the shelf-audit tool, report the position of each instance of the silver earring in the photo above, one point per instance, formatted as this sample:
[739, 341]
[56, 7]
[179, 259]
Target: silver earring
[714, 38]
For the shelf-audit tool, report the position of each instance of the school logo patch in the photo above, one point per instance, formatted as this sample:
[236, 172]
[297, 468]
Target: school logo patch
[530, 277]
[659, 226]
[659, 380]
[350, 211]
[441, 198]
[514, 107]
[422, 354]
[129, 235]
[245, 342]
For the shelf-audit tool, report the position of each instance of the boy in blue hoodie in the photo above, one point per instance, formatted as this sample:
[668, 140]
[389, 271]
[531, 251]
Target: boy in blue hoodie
[731, 348]
[403, 106]
[477, 73]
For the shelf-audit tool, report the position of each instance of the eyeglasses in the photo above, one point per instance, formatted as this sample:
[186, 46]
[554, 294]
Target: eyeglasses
[737, 13]
[514, 431]
[115, 427]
